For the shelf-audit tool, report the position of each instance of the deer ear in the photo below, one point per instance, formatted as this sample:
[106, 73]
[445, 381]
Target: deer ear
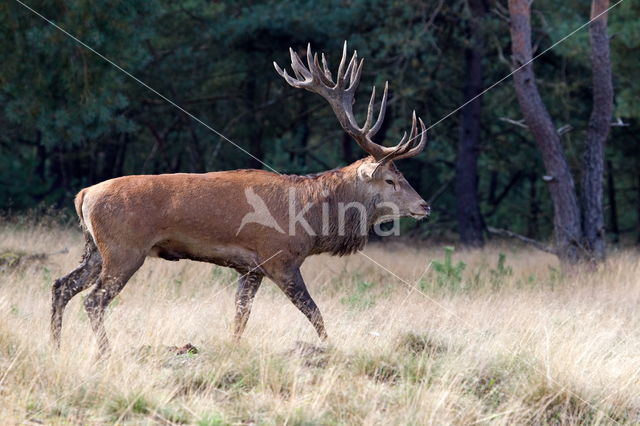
[367, 171]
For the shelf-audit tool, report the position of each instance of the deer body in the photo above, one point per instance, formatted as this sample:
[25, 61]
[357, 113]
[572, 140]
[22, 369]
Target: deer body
[197, 216]
[257, 222]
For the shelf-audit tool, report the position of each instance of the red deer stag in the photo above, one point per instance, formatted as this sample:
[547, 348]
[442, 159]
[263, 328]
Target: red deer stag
[203, 216]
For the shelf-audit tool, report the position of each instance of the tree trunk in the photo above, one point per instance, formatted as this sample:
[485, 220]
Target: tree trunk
[534, 209]
[470, 224]
[599, 124]
[566, 218]
[613, 205]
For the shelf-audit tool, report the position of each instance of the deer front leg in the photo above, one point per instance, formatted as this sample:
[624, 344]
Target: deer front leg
[296, 290]
[248, 285]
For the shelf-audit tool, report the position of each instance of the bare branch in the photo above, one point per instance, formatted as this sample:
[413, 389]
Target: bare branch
[566, 128]
[519, 123]
[501, 56]
[619, 123]
[501, 12]
[530, 241]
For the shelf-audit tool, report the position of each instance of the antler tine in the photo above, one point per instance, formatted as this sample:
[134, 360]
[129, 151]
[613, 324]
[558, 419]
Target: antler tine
[279, 70]
[342, 63]
[367, 122]
[356, 73]
[383, 108]
[317, 72]
[312, 62]
[326, 70]
[423, 135]
[348, 75]
[395, 149]
[354, 78]
[423, 139]
[283, 73]
[309, 57]
[414, 127]
[412, 136]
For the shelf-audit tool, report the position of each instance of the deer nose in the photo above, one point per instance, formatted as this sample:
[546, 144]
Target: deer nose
[426, 208]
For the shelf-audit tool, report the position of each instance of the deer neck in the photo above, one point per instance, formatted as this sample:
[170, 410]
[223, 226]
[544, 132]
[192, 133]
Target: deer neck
[344, 213]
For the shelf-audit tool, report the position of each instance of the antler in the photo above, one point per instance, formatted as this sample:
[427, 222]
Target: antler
[340, 95]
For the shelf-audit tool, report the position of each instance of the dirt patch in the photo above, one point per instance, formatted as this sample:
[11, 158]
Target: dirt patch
[384, 373]
[311, 355]
[420, 344]
[187, 349]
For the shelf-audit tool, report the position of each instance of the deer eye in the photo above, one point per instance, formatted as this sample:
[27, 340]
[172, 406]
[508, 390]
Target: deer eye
[390, 182]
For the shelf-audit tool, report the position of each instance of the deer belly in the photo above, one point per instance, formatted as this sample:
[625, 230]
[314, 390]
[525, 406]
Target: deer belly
[223, 255]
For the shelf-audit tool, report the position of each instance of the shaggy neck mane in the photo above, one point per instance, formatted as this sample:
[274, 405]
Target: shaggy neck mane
[342, 211]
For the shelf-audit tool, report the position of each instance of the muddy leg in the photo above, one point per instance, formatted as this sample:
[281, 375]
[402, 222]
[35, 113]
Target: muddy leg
[248, 285]
[296, 290]
[71, 284]
[113, 278]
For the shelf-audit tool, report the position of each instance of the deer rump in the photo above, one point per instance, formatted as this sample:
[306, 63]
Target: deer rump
[175, 216]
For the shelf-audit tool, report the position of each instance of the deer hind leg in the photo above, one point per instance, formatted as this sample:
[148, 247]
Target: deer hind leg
[296, 290]
[248, 285]
[115, 274]
[74, 282]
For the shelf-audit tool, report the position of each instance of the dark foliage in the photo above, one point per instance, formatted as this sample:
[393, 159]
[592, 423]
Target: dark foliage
[69, 119]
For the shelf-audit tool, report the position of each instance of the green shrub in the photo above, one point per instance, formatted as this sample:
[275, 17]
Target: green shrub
[448, 274]
[501, 272]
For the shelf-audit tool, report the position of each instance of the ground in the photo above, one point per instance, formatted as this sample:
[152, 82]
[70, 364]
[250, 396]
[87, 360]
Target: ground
[499, 336]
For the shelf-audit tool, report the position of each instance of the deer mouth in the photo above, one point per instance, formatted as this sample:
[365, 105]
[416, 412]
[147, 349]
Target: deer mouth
[421, 215]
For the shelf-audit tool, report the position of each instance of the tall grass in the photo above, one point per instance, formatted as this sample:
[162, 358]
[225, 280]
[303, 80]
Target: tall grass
[509, 342]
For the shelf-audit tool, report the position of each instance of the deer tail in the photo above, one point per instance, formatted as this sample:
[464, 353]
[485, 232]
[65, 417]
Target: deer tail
[79, 200]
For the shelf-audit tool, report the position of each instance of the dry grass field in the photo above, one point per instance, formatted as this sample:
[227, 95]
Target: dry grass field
[492, 342]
